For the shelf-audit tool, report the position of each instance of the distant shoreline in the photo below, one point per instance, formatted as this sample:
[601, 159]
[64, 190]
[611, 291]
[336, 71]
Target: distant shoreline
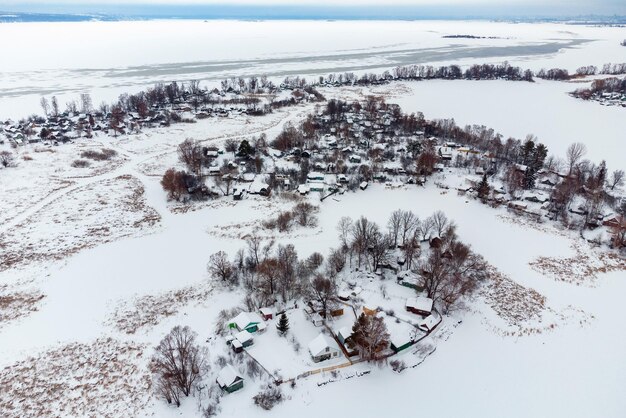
[260, 15]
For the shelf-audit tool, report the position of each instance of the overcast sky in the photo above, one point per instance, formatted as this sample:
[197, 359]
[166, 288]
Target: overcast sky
[563, 7]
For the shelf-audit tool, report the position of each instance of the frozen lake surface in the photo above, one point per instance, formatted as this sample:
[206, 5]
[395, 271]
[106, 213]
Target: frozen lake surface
[109, 58]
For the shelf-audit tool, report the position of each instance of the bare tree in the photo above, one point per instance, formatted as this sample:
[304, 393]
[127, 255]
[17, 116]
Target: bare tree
[344, 227]
[116, 119]
[363, 232]
[7, 159]
[85, 103]
[304, 214]
[440, 222]
[323, 291]
[379, 249]
[220, 268]
[178, 362]
[617, 179]
[409, 223]
[45, 105]
[173, 183]
[231, 145]
[394, 225]
[190, 154]
[574, 154]
[55, 106]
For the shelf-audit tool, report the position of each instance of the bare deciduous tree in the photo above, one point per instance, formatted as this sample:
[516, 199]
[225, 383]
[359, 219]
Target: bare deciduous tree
[7, 159]
[190, 154]
[178, 363]
[323, 291]
[617, 179]
[220, 267]
[574, 154]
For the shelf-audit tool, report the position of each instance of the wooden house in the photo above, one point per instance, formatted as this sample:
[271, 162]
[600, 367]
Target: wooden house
[229, 380]
[323, 348]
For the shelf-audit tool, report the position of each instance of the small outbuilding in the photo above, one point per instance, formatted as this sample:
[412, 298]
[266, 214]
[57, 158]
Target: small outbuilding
[229, 380]
[245, 338]
[420, 305]
[266, 313]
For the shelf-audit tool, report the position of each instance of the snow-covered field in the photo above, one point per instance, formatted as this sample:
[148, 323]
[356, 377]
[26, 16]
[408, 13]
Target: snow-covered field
[96, 265]
[108, 58]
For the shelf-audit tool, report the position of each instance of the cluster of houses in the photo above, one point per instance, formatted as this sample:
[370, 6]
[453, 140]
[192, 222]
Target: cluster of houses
[608, 98]
[335, 323]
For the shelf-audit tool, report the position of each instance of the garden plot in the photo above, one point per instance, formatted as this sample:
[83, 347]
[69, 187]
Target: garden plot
[109, 209]
[105, 378]
[289, 356]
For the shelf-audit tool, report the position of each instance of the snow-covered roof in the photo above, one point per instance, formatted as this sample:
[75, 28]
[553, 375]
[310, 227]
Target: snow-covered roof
[246, 318]
[429, 322]
[345, 332]
[227, 376]
[319, 345]
[266, 311]
[243, 337]
[420, 303]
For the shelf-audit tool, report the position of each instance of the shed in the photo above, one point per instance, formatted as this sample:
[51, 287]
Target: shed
[363, 185]
[420, 305]
[266, 313]
[343, 334]
[229, 380]
[429, 323]
[245, 338]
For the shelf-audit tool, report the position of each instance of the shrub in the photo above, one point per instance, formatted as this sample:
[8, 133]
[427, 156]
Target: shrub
[397, 365]
[103, 155]
[80, 164]
[268, 398]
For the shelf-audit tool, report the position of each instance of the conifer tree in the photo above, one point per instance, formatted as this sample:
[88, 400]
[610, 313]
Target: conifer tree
[483, 187]
[283, 324]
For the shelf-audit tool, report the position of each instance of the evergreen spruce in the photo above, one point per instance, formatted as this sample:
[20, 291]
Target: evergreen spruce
[283, 324]
[483, 188]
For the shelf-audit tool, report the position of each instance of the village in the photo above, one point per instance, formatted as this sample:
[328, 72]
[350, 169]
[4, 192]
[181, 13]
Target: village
[380, 297]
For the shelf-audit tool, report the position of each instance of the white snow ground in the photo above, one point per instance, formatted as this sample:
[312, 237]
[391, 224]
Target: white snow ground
[575, 369]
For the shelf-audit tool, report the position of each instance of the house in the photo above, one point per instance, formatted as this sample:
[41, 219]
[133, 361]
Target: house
[518, 205]
[323, 348]
[445, 153]
[420, 305]
[363, 185]
[266, 313]
[344, 334]
[314, 176]
[245, 321]
[229, 380]
[316, 186]
[245, 338]
[355, 159]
